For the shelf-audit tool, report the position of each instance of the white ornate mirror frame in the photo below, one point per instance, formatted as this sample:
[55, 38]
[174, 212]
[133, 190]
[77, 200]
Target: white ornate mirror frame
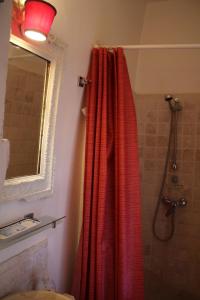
[41, 185]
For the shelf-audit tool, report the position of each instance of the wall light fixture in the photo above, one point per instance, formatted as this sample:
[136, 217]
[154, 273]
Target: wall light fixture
[32, 19]
[39, 16]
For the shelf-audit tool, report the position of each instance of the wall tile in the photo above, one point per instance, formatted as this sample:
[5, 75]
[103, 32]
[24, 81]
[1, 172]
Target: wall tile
[171, 269]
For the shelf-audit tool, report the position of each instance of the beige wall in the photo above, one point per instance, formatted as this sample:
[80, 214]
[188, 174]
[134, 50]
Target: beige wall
[80, 25]
[164, 71]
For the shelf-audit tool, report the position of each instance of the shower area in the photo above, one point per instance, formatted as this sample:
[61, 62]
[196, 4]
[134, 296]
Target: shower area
[170, 196]
[166, 87]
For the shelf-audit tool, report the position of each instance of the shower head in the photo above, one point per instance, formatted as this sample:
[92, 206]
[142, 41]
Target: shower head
[168, 97]
[174, 103]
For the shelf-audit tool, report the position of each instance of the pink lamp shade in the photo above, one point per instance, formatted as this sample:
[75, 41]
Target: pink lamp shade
[39, 16]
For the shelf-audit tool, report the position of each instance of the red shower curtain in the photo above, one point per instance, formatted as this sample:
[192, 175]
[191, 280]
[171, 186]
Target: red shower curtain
[109, 263]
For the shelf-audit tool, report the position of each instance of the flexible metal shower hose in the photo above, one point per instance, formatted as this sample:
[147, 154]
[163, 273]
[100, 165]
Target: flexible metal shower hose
[172, 142]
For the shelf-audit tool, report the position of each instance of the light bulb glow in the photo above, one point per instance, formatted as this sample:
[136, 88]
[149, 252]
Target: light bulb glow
[35, 35]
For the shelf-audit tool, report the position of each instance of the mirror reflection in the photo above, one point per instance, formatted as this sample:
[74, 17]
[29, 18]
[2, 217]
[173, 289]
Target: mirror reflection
[24, 110]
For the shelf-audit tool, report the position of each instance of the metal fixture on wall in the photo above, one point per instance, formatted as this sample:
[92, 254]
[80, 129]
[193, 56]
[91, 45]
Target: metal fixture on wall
[82, 81]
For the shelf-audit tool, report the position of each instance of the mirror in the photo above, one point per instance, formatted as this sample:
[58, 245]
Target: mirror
[27, 81]
[30, 108]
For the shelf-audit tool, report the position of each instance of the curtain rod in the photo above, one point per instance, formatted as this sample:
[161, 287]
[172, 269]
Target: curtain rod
[153, 46]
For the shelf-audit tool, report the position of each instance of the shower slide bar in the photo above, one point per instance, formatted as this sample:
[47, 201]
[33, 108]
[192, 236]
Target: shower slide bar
[153, 46]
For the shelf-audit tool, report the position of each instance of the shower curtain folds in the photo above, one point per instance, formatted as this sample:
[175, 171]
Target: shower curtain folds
[109, 263]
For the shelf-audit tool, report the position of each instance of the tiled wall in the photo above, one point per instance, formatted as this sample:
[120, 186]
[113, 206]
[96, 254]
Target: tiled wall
[172, 269]
[26, 271]
[22, 116]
